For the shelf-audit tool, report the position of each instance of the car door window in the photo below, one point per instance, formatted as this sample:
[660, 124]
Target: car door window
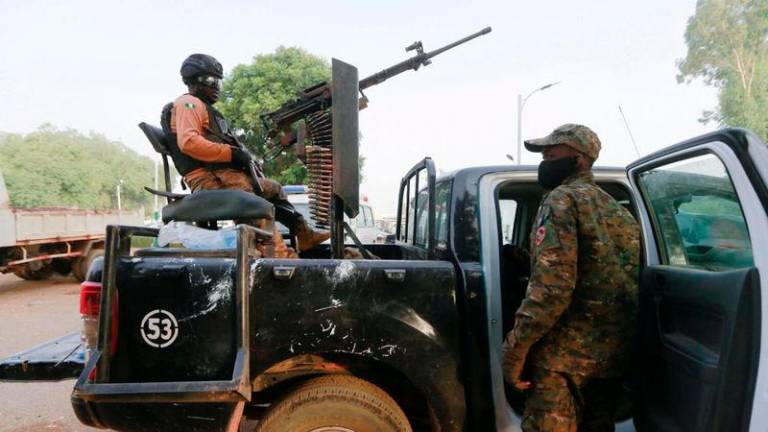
[697, 217]
[507, 211]
[368, 216]
[442, 203]
[363, 216]
[422, 219]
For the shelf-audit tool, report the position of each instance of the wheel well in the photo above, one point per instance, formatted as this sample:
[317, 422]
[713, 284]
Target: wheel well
[280, 379]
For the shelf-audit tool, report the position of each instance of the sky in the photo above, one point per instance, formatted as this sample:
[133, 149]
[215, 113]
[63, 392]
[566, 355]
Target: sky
[105, 66]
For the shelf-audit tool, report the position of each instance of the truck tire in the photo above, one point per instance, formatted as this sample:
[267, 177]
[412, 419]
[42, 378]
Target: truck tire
[35, 270]
[62, 266]
[81, 265]
[335, 403]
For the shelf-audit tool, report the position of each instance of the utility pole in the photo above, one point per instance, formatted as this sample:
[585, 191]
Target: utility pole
[520, 105]
[520, 128]
[157, 174]
[119, 204]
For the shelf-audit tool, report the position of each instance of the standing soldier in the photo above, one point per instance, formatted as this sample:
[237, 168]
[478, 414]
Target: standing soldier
[206, 152]
[574, 328]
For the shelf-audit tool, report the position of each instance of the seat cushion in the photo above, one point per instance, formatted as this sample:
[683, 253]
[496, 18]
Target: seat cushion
[217, 205]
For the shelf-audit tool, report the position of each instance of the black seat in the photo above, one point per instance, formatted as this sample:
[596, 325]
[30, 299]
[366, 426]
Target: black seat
[159, 141]
[156, 136]
[216, 205]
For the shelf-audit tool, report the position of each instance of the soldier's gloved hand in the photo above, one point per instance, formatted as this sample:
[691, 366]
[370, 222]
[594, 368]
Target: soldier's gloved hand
[289, 137]
[513, 364]
[241, 157]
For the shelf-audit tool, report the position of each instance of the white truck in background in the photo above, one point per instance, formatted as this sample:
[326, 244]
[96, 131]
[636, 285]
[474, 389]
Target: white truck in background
[363, 224]
[36, 242]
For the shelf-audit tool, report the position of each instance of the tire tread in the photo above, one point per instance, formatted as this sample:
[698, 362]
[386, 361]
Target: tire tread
[342, 388]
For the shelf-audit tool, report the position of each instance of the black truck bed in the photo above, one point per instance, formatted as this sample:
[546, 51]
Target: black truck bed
[219, 330]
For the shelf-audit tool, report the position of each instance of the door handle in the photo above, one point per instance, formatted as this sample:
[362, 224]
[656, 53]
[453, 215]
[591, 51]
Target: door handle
[395, 275]
[283, 272]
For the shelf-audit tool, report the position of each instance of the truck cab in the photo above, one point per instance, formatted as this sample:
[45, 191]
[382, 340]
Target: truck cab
[220, 340]
[702, 207]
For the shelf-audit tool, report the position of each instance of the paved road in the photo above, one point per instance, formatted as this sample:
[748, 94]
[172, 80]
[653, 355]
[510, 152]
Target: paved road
[32, 313]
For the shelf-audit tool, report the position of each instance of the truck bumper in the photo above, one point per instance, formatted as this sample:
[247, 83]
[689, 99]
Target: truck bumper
[200, 417]
[168, 406]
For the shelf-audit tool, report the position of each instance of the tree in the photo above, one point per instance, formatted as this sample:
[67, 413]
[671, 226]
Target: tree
[55, 168]
[263, 86]
[727, 46]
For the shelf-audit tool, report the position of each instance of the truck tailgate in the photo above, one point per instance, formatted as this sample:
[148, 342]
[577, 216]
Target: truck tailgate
[58, 359]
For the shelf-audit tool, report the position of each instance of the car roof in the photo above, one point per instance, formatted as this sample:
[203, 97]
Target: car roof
[599, 171]
[295, 189]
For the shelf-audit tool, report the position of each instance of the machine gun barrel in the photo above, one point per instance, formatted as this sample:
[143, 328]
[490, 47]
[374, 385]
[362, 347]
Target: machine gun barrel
[415, 62]
[318, 97]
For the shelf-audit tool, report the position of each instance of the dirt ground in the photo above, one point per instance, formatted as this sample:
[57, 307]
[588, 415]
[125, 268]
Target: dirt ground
[32, 313]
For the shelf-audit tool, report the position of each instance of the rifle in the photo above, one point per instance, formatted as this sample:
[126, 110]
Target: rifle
[318, 97]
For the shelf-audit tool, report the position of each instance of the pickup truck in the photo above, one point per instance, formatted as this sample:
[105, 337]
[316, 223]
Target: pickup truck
[223, 340]
[38, 241]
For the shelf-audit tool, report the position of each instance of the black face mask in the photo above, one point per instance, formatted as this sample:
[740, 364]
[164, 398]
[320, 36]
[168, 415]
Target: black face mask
[553, 172]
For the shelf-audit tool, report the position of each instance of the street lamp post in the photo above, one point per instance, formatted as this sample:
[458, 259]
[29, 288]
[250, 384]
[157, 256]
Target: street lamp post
[520, 105]
[119, 204]
[157, 182]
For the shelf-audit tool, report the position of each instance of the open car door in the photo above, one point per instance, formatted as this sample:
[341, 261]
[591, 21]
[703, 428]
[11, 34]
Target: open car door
[702, 204]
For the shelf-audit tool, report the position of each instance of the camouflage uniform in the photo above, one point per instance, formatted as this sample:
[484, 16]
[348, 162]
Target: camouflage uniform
[574, 327]
[236, 179]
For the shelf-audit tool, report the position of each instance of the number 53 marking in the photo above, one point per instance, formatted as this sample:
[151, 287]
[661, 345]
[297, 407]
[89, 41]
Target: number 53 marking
[159, 328]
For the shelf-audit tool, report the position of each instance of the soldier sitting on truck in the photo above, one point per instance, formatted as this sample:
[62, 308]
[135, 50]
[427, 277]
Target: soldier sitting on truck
[208, 154]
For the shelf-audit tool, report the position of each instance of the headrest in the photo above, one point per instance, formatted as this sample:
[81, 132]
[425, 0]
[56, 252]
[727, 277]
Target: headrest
[156, 136]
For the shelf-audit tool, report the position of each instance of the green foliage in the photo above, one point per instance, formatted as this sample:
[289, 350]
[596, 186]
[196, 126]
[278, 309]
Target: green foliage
[727, 47]
[55, 168]
[263, 86]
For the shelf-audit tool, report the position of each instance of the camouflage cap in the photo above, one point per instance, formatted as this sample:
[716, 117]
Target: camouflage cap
[578, 137]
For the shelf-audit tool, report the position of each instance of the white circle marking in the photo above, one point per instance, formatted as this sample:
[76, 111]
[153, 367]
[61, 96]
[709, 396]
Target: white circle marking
[159, 328]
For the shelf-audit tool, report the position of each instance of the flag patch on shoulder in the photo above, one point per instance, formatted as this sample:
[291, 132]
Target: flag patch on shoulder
[189, 105]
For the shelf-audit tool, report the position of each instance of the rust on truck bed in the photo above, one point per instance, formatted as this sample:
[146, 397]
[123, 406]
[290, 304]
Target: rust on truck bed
[305, 364]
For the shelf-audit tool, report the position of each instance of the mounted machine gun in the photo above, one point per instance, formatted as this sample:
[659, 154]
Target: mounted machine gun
[327, 138]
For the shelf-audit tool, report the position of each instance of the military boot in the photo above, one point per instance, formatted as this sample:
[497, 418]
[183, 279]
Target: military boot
[281, 248]
[307, 237]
